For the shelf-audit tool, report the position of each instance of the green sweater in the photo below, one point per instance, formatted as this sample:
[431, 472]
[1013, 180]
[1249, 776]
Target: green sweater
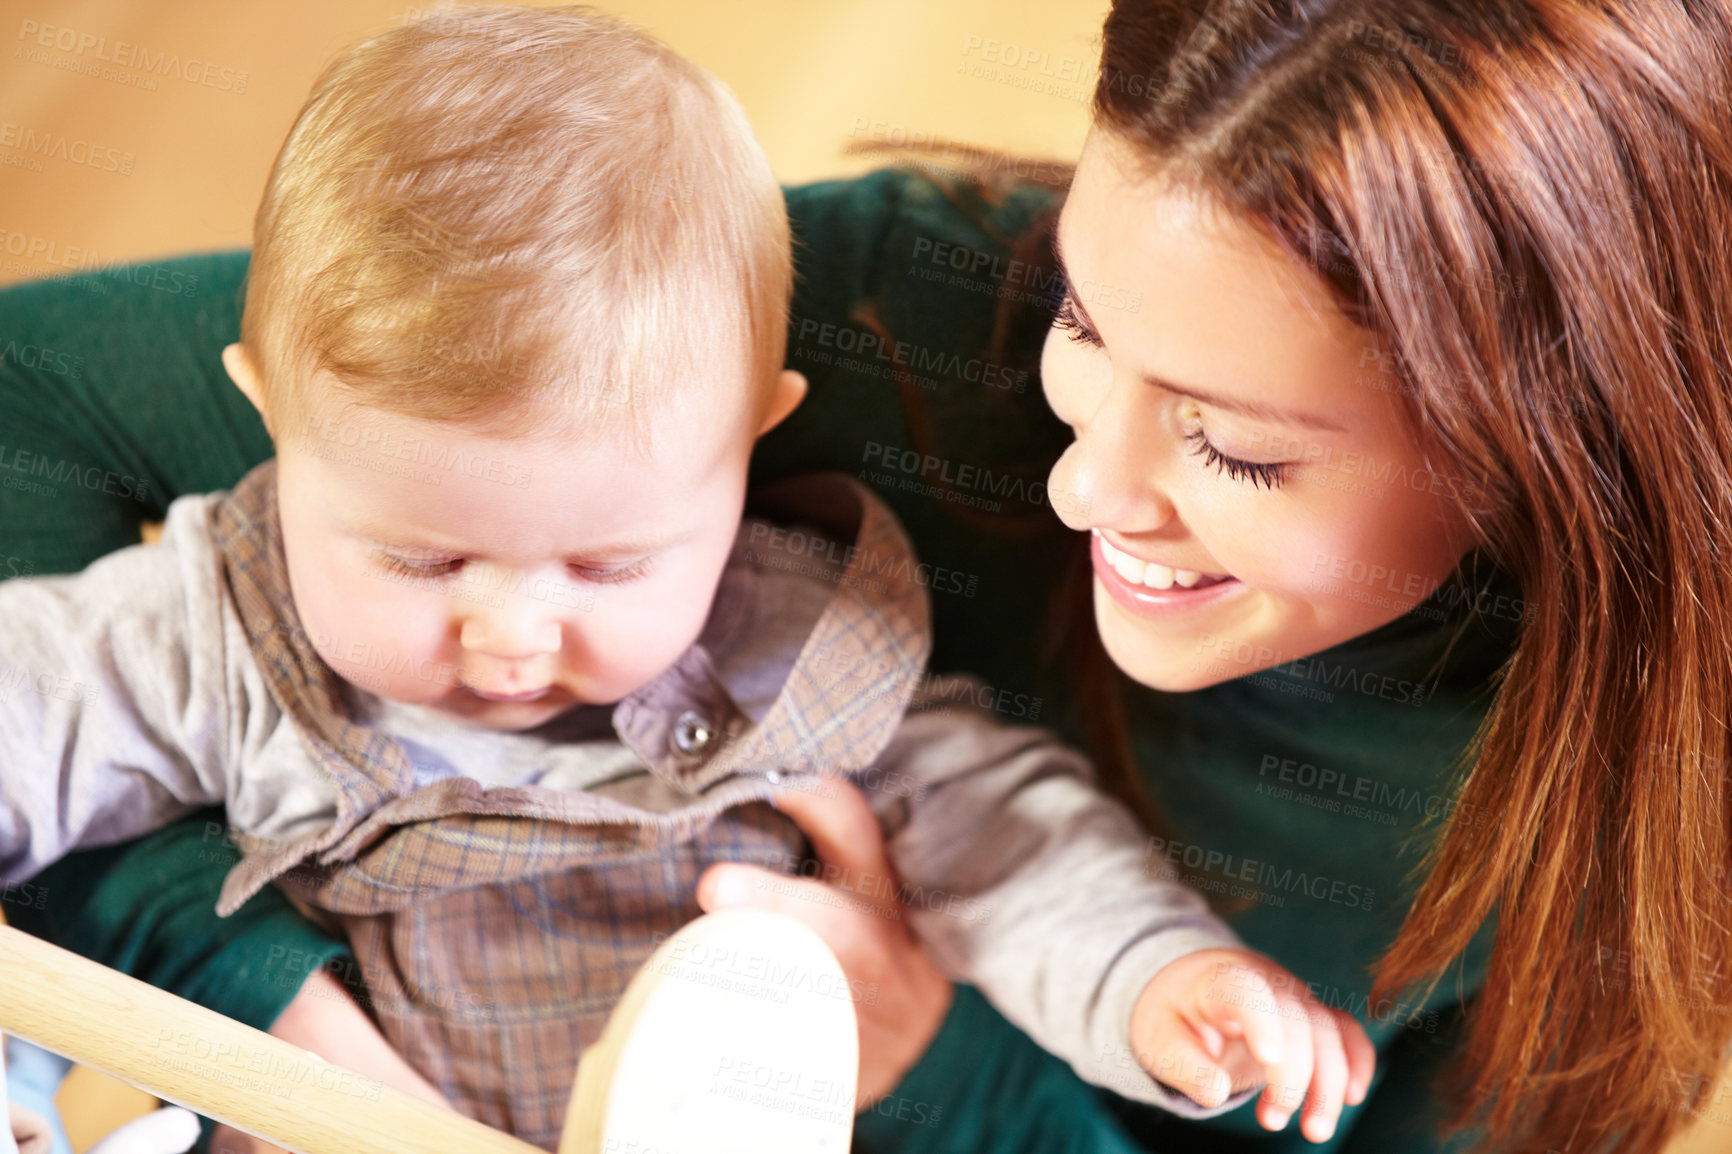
[1293, 797]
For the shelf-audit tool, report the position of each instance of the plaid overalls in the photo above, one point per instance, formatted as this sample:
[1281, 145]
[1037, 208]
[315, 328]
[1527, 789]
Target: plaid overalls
[496, 928]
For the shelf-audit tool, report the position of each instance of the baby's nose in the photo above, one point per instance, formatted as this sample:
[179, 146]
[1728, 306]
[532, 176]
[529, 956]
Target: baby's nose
[510, 636]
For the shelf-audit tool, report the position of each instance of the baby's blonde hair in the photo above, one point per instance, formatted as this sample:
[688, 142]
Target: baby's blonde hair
[519, 219]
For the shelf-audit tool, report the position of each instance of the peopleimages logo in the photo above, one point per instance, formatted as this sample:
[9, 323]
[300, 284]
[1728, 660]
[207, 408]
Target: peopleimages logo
[966, 477]
[24, 463]
[866, 564]
[1045, 284]
[124, 55]
[59, 146]
[46, 359]
[1170, 854]
[866, 346]
[1339, 791]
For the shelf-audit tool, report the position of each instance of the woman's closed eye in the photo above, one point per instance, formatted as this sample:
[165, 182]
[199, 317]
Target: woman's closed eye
[1070, 320]
[1272, 475]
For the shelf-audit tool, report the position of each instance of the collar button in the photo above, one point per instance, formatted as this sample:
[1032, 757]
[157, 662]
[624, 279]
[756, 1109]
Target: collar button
[692, 733]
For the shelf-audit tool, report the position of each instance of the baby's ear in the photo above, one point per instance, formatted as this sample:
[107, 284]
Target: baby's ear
[785, 397]
[243, 370]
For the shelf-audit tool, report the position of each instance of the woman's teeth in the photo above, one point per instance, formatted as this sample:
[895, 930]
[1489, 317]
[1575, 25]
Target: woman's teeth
[1153, 576]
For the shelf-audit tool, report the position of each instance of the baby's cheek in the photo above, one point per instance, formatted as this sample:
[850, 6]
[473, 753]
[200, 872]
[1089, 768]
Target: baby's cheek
[619, 652]
[338, 604]
[331, 633]
[397, 650]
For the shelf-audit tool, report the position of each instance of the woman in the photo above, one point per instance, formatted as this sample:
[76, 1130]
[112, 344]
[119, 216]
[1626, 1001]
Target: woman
[1479, 251]
[1395, 318]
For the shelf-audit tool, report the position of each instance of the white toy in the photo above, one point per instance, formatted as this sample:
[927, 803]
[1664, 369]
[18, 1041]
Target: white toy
[738, 1036]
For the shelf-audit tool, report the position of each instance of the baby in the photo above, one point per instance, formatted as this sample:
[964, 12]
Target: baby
[489, 664]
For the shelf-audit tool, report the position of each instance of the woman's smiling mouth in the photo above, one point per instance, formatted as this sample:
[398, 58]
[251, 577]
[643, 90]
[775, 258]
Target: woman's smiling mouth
[1152, 575]
[1154, 590]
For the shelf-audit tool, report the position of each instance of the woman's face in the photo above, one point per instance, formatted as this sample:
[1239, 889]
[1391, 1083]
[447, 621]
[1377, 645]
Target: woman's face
[1252, 483]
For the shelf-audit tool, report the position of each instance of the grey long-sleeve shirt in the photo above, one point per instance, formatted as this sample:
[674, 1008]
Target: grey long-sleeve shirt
[129, 697]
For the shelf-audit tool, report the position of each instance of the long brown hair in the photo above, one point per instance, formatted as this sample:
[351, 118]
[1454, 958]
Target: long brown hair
[1532, 203]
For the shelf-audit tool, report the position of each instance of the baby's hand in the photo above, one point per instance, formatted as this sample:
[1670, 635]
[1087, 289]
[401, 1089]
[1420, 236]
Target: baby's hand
[1216, 1022]
[28, 1132]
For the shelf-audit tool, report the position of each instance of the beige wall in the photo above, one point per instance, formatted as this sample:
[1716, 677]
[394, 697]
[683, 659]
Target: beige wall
[179, 163]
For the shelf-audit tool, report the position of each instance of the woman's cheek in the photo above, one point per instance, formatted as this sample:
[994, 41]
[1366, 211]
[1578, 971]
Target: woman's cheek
[1243, 532]
[1360, 570]
[1280, 547]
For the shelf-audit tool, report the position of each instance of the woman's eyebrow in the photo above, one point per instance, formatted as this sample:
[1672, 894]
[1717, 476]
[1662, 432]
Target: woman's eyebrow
[1257, 410]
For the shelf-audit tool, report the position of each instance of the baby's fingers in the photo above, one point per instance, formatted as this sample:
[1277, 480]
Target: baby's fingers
[1241, 1004]
[1329, 1078]
[1180, 1061]
[1361, 1059]
[1291, 1076]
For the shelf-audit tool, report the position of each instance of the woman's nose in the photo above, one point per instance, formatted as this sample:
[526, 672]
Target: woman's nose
[1107, 479]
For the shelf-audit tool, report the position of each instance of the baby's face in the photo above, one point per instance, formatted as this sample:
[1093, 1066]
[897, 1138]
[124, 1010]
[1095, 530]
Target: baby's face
[504, 581]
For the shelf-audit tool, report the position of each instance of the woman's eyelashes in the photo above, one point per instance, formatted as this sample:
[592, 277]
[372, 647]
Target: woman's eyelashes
[1069, 319]
[428, 569]
[1270, 475]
